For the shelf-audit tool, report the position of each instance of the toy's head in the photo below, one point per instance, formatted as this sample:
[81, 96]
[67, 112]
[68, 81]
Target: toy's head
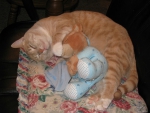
[73, 43]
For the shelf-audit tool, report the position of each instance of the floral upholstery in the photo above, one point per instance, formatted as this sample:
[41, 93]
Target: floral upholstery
[36, 95]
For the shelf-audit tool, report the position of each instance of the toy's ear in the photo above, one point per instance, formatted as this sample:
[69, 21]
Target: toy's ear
[17, 43]
[78, 28]
[77, 42]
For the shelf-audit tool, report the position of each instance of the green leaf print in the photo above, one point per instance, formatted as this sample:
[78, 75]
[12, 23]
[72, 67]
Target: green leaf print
[42, 98]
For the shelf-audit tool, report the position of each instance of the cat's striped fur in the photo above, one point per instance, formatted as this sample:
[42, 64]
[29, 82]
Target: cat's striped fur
[104, 34]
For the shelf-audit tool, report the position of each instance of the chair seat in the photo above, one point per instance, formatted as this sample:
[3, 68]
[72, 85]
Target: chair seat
[42, 97]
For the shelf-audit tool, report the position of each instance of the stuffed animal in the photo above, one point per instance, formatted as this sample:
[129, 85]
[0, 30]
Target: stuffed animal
[72, 44]
[86, 65]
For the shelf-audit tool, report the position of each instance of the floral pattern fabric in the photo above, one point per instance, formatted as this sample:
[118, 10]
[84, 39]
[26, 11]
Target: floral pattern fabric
[36, 95]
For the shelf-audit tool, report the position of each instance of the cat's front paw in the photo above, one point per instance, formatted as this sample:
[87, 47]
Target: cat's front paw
[100, 104]
[103, 104]
[57, 49]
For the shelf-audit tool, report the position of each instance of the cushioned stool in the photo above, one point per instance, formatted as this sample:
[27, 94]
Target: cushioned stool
[36, 95]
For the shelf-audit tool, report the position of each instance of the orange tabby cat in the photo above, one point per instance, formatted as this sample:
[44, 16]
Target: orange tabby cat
[45, 37]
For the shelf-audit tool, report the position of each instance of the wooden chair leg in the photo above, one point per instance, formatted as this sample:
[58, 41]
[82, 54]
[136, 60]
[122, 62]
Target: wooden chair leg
[54, 7]
[31, 10]
[12, 14]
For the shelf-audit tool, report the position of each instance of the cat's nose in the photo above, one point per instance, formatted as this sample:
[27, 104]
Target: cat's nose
[40, 51]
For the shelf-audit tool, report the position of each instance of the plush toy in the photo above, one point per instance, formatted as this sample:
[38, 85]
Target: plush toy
[71, 45]
[86, 65]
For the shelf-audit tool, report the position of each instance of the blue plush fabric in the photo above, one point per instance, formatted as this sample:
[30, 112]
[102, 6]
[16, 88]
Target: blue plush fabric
[58, 76]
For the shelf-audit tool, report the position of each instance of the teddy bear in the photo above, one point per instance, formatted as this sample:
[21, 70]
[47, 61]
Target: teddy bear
[86, 65]
[71, 45]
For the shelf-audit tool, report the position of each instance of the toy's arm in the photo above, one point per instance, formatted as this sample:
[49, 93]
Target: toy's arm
[72, 65]
[88, 52]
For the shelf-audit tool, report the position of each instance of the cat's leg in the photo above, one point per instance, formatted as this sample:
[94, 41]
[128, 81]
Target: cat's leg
[63, 32]
[92, 99]
[104, 96]
[107, 94]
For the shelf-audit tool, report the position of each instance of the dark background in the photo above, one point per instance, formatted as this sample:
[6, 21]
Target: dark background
[92, 5]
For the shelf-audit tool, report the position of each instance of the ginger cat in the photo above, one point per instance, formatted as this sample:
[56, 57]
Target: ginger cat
[46, 36]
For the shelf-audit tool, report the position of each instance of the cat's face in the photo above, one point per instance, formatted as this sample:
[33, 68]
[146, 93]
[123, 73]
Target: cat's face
[37, 47]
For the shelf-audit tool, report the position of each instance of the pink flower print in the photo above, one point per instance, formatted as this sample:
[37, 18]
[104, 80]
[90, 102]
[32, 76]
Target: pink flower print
[40, 82]
[83, 110]
[32, 99]
[133, 95]
[69, 107]
[19, 111]
[96, 111]
[123, 104]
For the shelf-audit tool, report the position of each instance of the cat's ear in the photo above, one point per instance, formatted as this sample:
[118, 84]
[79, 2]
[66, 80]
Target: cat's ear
[17, 43]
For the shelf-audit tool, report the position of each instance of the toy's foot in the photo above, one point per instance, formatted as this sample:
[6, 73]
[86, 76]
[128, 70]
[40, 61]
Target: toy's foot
[71, 92]
[76, 90]
[89, 70]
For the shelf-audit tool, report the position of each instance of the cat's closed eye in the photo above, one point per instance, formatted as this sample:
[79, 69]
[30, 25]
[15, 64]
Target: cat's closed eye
[33, 47]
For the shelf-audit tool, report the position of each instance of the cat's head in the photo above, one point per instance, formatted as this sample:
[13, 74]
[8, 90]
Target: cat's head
[37, 47]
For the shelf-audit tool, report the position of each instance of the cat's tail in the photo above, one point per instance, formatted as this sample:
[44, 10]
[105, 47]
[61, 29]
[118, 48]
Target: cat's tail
[129, 85]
